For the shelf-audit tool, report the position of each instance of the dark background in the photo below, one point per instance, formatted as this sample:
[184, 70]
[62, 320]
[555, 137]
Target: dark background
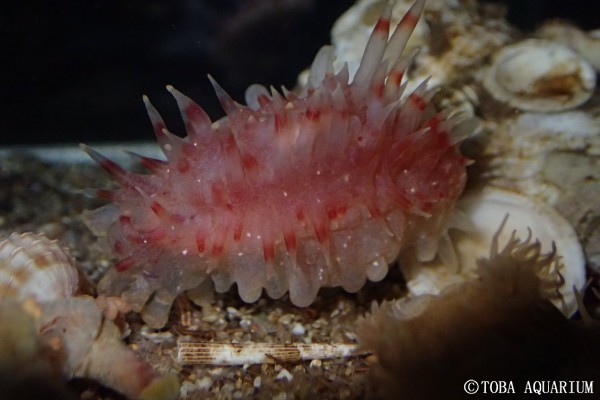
[75, 71]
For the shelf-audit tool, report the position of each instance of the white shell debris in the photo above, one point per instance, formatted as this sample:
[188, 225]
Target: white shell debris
[71, 335]
[198, 352]
[540, 75]
[585, 43]
[518, 152]
[44, 323]
[487, 210]
[31, 265]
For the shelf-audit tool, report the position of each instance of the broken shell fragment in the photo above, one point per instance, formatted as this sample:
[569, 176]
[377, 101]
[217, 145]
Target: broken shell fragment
[487, 209]
[71, 336]
[585, 43]
[539, 75]
[31, 265]
[43, 323]
[195, 352]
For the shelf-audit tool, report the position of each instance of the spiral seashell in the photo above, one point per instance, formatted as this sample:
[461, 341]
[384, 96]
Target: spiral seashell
[43, 323]
[33, 266]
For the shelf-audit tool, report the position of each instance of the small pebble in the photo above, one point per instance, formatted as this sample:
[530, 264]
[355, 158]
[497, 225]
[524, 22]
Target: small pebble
[187, 387]
[286, 319]
[204, 383]
[245, 323]
[257, 382]
[233, 311]
[284, 374]
[280, 396]
[298, 329]
[210, 318]
[156, 336]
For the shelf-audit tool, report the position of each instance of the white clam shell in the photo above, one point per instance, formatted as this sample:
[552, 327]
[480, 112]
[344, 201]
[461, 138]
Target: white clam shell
[486, 209]
[585, 43]
[33, 266]
[540, 75]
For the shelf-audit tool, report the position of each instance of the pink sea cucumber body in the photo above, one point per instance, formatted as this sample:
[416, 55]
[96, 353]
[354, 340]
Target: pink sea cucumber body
[292, 192]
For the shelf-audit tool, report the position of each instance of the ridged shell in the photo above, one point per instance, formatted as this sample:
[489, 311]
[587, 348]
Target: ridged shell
[31, 265]
[585, 43]
[539, 75]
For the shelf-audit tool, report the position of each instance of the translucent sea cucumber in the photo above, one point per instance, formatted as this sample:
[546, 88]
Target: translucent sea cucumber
[291, 192]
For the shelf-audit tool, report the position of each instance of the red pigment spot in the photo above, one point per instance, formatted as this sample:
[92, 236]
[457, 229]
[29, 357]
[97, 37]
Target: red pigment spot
[105, 194]
[188, 150]
[217, 249]
[442, 142]
[434, 123]
[153, 236]
[134, 238]
[280, 122]
[237, 232]
[321, 232]
[183, 166]
[195, 115]
[125, 220]
[313, 114]
[409, 21]
[396, 77]
[403, 201]
[378, 90]
[118, 247]
[374, 211]
[263, 100]
[158, 126]
[383, 25]
[200, 242]
[152, 164]
[158, 209]
[113, 168]
[427, 207]
[290, 241]
[331, 213]
[249, 162]
[300, 215]
[230, 145]
[341, 210]
[418, 101]
[268, 251]
[124, 264]
[217, 193]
